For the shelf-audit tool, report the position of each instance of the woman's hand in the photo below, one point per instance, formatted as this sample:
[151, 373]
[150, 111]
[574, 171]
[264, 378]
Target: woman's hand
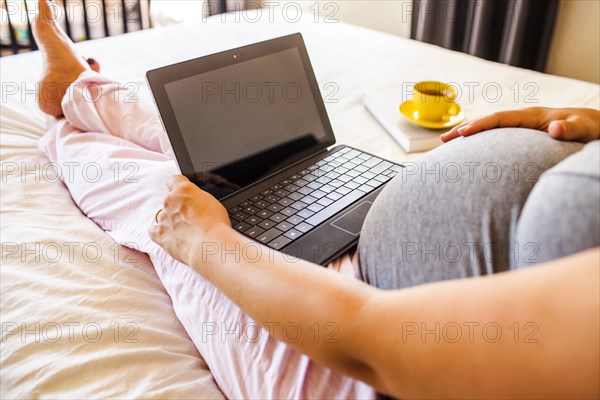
[188, 218]
[578, 124]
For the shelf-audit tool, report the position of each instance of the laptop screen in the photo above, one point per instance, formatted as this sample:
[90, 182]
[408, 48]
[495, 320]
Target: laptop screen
[243, 121]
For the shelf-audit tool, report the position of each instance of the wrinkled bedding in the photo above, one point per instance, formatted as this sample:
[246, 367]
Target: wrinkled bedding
[83, 317]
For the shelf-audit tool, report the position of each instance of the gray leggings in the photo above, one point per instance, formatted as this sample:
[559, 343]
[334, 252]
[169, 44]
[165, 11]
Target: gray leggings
[495, 201]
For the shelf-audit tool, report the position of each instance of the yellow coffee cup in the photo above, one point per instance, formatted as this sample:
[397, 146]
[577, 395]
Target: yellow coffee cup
[433, 99]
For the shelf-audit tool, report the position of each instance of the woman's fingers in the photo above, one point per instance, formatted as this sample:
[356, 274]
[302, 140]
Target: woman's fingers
[477, 125]
[527, 118]
[471, 127]
[176, 180]
[581, 124]
[557, 129]
[94, 65]
[452, 133]
[153, 233]
[574, 127]
[187, 214]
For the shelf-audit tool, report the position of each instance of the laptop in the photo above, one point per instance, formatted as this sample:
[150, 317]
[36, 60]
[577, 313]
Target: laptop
[249, 126]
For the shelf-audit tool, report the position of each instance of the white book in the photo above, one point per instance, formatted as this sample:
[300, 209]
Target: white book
[384, 105]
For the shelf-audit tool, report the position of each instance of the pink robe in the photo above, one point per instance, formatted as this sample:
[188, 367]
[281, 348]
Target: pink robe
[116, 159]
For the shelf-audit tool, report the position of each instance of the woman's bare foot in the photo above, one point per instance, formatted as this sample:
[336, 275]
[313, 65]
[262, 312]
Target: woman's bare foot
[62, 65]
[93, 64]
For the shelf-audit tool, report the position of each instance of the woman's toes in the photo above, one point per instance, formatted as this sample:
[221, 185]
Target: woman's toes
[94, 65]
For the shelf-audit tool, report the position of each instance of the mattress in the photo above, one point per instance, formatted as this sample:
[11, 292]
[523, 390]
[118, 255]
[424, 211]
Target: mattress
[85, 318]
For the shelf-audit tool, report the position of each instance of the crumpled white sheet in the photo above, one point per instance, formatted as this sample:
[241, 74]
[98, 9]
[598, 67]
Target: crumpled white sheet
[82, 317]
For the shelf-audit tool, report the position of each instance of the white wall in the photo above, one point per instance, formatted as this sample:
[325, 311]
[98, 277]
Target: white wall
[575, 48]
[391, 16]
[383, 15]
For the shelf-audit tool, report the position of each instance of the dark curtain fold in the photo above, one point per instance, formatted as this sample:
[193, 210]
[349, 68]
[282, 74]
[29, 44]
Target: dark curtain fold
[217, 6]
[515, 32]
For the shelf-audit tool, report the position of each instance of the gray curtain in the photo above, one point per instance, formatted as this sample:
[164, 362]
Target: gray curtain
[515, 32]
[222, 6]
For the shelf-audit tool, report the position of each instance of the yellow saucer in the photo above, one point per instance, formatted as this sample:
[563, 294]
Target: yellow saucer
[453, 117]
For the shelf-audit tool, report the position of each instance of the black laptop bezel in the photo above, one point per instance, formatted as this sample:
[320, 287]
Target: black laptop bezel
[158, 78]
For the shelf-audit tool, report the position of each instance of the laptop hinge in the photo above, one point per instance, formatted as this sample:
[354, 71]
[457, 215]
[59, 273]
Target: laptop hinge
[323, 152]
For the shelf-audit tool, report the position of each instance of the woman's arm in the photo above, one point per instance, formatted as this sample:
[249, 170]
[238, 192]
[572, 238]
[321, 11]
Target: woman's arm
[533, 333]
[578, 124]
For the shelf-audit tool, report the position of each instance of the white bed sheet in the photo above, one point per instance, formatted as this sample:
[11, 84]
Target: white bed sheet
[119, 291]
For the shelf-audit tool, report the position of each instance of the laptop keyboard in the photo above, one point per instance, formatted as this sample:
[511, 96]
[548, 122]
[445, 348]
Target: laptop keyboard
[287, 210]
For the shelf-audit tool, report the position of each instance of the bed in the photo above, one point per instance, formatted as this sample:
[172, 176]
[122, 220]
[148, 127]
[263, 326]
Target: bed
[85, 318]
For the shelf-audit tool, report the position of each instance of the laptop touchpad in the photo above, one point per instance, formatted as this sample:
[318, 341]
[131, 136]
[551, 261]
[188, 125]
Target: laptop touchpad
[352, 221]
